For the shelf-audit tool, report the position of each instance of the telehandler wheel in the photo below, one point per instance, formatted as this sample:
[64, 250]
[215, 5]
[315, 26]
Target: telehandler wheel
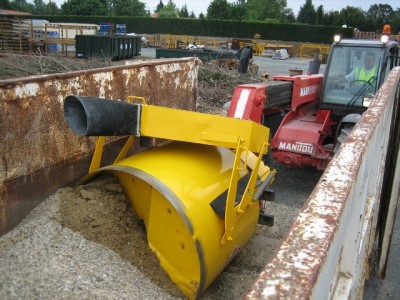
[344, 132]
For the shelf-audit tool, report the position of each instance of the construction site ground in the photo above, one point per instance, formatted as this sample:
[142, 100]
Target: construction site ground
[87, 243]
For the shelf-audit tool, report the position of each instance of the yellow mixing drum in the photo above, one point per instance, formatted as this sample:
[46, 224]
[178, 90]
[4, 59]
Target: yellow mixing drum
[197, 199]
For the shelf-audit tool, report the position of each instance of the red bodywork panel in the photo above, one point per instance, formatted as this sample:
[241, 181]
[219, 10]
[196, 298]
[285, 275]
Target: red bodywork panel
[306, 88]
[299, 139]
[248, 102]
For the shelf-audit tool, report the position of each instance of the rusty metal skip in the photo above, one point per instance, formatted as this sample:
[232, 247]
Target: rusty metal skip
[198, 193]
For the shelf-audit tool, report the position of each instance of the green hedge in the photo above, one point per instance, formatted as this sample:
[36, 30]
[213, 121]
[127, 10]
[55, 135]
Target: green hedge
[220, 28]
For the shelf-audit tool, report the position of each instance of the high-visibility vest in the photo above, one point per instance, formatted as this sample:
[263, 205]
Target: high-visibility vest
[361, 74]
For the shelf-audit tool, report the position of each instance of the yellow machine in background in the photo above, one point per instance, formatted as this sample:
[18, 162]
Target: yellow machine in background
[198, 193]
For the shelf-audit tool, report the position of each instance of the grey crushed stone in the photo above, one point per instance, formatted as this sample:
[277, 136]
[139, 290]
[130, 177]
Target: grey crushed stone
[41, 259]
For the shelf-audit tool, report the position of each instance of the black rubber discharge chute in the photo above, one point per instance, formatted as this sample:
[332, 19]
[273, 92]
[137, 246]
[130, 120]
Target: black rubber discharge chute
[89, 116]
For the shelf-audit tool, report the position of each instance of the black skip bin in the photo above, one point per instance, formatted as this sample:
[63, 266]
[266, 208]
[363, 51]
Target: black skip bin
[114, 46]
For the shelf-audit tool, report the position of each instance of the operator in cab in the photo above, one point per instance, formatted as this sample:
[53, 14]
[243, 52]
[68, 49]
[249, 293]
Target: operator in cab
[364, 73]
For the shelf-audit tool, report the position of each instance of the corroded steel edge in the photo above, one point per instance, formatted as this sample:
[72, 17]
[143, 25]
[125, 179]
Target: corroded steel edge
[310, 261]
[37, 146]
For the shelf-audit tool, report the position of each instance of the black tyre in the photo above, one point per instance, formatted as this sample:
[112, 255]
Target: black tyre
[344, 132]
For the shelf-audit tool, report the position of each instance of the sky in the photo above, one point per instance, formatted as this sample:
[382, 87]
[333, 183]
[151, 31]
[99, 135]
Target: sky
[198, 6]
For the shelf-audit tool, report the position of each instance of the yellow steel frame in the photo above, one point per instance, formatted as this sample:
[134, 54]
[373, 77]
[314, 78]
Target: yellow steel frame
[200, 128]
[233, 213]
[98, 153]
[131, 99]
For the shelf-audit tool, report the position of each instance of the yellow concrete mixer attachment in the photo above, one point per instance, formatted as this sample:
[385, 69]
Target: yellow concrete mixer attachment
[198, 193]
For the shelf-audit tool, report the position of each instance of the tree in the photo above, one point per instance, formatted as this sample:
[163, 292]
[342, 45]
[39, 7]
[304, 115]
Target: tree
[288, 16]
[238, 11]
[84, 8]
[353, 17]
[265, 9]
[171, 6]
[169, 11]
[319, 15]
[5, 4]
[109, 5]
[201, 16]
[52, 9]
[380, 14]
[192, 15]
[160, 6]
[396, 21]
[331, 18]
[184, 13]
[41, 8]
[131, 8]
[307, 13]
[218, 9]
[255, 10]
[18, 5]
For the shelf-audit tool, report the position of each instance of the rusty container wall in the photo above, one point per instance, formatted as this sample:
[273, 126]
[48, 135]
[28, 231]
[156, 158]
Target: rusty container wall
[40, 154]
[327, 254]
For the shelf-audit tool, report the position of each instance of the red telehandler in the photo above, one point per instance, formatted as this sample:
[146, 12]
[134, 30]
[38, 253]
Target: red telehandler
[319, 110]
